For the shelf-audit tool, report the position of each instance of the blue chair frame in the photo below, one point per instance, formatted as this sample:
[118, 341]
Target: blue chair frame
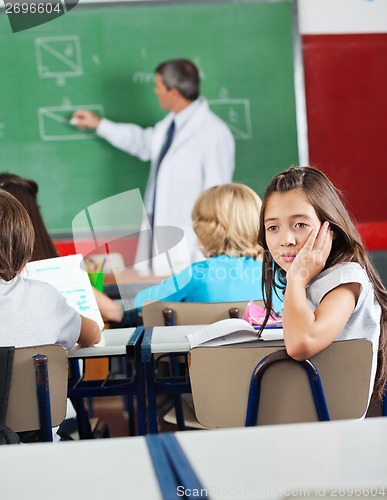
[43, 395]
[256, 379]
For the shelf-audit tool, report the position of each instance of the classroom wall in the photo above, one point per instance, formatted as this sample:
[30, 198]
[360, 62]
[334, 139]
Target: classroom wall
[345, 53]
[344, 45]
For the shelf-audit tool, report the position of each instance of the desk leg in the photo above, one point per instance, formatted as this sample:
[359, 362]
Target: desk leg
[151, 396]
[174, 366]
[141, 401]
[84, 429]
[129, 407]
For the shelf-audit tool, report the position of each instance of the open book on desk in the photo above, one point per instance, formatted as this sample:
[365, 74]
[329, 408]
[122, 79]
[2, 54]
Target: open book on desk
[68, 276]
[231, 331]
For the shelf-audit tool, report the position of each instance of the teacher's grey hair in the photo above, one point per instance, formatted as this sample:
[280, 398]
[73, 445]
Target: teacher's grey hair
[181, 74]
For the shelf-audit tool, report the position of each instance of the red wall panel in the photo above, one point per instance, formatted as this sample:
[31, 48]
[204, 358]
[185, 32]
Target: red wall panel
[346, 95]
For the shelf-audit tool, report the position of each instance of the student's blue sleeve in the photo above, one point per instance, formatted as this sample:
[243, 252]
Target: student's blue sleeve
[175, 289]
[278, 303]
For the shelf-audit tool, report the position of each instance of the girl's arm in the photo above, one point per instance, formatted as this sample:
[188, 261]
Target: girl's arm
[110, 310]
[306, 332]
[90, 333]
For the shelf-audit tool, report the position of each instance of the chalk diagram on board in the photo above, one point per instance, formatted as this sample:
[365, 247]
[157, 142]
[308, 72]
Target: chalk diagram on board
[58, 56]
[236, 113]
[54, 122]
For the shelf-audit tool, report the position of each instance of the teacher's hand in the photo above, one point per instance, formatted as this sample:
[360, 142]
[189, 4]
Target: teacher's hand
[85, 119]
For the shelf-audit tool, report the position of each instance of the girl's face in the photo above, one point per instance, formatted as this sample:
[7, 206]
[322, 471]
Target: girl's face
[289, 219]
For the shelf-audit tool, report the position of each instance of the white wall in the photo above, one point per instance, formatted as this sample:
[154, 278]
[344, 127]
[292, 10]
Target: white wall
[334, 16]
[342, 16]
[328, 16]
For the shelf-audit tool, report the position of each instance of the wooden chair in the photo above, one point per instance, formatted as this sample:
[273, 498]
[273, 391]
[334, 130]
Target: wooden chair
[38, 389]
[191, 313]
[220, 380]
[181, 313]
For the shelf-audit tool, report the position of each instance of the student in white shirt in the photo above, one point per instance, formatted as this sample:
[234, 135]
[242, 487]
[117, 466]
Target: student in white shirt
[32, 312]
[332, 290]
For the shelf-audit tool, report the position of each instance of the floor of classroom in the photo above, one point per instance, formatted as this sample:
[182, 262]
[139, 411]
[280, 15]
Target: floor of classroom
[112, 411]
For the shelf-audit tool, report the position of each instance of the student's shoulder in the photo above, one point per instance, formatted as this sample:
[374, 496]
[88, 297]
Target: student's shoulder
[340, 274]
[40, 287]
[200, 265]
[346, 272]
[349, 270]
[208, 268]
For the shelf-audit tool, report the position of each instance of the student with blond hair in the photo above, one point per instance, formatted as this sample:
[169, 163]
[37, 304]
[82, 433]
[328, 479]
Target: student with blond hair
[225, 219]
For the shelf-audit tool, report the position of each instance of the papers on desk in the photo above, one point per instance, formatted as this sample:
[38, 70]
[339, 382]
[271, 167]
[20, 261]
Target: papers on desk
[231, 331]
[67, 275]
[113, 343]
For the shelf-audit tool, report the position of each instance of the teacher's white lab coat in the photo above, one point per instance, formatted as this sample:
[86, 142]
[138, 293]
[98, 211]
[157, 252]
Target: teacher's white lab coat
[201, 155]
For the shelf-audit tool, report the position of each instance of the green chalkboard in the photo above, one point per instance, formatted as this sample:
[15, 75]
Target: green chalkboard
[103, 57]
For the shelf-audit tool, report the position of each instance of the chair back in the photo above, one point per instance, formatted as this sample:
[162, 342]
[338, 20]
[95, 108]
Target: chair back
[23, 408]
[220, 379]
[191, 313]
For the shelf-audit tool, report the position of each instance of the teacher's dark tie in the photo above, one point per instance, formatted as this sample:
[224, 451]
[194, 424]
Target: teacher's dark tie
[166, 145]
[163, 152]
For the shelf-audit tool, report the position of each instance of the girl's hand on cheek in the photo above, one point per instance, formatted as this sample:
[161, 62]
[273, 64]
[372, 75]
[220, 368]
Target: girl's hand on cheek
[312, 257]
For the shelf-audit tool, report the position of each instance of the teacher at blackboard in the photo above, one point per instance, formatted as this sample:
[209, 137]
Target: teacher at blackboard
[190, 150]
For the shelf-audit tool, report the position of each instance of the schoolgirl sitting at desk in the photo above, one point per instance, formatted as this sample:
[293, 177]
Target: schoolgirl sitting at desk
[314, 252]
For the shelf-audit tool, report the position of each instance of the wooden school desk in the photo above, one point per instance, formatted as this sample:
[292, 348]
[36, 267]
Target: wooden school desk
[338, 459]
[166, 340]
[120, 342]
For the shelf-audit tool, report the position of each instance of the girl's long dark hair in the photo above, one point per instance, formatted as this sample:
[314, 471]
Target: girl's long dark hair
[26, 191]
[347, 245]
[16, 236]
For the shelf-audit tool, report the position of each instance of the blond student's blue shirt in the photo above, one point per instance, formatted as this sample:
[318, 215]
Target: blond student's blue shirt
[217, 279]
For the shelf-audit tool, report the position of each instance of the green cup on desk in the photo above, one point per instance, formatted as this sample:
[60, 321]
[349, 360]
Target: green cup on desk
[96, 279]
